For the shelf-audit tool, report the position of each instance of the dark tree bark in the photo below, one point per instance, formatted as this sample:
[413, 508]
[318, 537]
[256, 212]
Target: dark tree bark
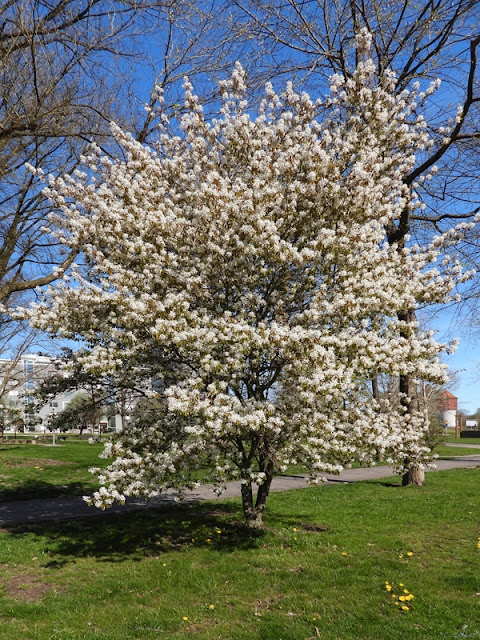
[253, 508]
[409, 399]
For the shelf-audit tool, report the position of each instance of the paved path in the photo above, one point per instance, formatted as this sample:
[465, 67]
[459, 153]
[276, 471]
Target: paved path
[462, 445]
[30, 511]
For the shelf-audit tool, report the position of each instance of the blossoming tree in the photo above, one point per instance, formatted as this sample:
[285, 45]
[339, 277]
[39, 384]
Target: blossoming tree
[242, 262]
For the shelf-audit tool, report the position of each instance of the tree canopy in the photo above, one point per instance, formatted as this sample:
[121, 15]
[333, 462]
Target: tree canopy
[243, 261]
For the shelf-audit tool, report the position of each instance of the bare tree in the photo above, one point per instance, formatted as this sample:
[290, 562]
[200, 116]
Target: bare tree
[67, 70]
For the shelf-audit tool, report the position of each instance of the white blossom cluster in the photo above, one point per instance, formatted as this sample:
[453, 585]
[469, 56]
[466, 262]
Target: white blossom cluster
[243, 261]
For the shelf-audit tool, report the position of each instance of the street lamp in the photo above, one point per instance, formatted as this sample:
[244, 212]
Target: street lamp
[52, 423]
[2, 420]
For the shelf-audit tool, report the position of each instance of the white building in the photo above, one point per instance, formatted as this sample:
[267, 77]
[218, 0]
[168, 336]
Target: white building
[448, 409]
[18, 380]
[18, 409]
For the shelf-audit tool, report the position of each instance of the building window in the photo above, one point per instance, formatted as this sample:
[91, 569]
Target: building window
[28, 374]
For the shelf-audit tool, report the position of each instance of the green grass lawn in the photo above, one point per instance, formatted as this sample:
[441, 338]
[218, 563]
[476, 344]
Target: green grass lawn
[318, 571]
[451, 452]
[452, 438]
[30, 471]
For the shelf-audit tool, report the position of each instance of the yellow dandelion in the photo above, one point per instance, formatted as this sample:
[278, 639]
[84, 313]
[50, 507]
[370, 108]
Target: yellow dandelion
[164, 564]
[396, 602]
[393, 595]
[344, 553]
[295, 537]
[409, 597]
[400, 556]
[405, 608]
[208, 540]
[400, 584]
[313, 618]
[293, 529]
[405, 591]
[193, 539]
[212, 606]
[185, 618]
[388, 587]
[219, 531]
[402, 598]
[410, 553]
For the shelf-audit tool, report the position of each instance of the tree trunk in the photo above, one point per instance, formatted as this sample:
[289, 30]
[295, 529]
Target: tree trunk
[376, 397]
[253, 519]
[253, 511]
[414, 475]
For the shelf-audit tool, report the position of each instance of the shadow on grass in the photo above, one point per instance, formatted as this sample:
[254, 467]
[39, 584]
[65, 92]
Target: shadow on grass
[391, 483]
[136, 535]
[37, 490]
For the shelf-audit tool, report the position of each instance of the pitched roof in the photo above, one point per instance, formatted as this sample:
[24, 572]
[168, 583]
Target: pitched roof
[447, 394]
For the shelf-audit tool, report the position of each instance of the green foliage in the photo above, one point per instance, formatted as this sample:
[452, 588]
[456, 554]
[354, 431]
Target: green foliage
[10, 416]
[80, 413]
[147, 411]
[435, 435]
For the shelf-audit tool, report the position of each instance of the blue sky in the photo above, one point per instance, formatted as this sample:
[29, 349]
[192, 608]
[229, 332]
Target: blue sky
[465, 360]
